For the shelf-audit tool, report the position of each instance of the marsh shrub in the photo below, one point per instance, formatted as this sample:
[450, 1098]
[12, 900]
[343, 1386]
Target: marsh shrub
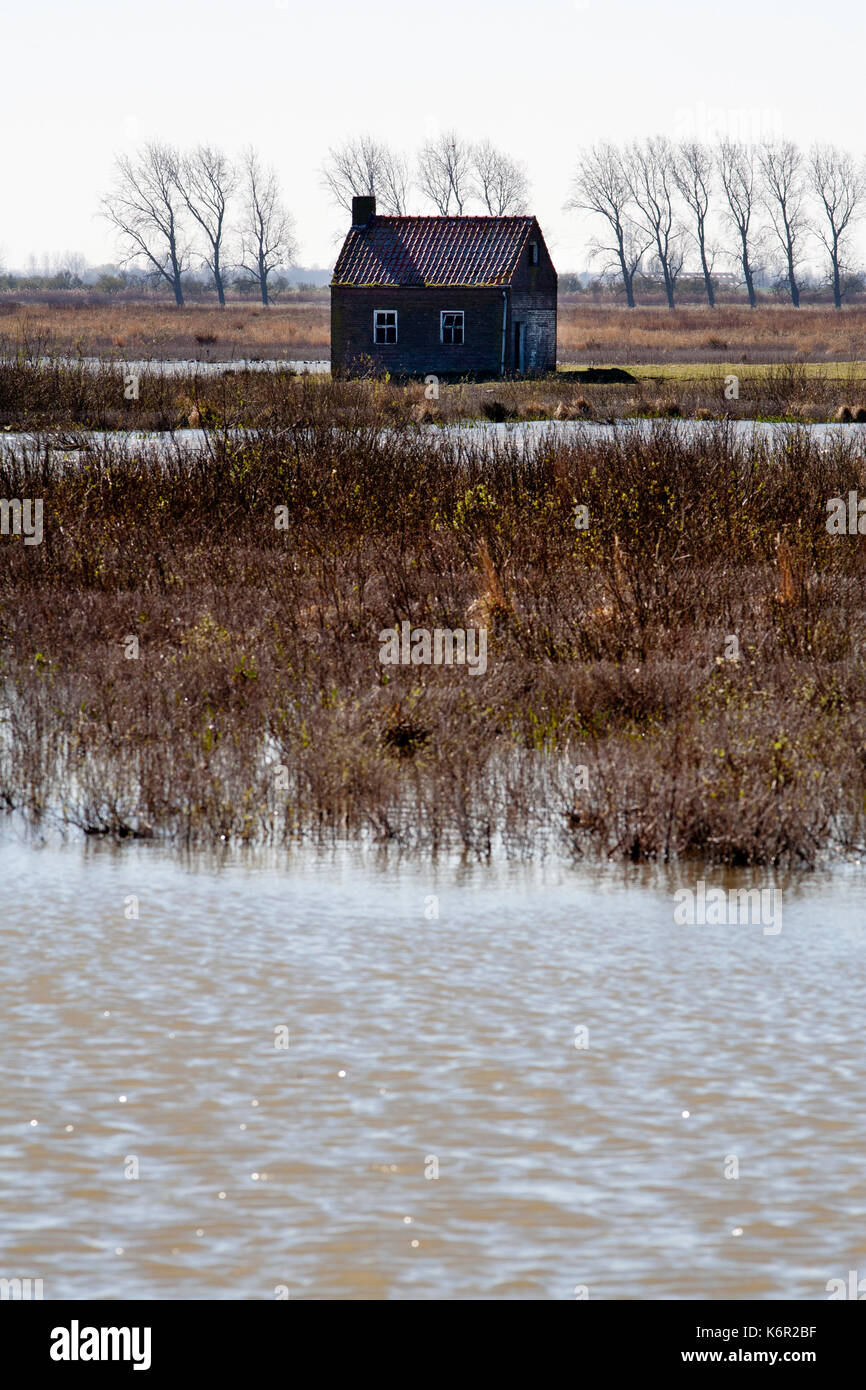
[41, 389]
[257, 707]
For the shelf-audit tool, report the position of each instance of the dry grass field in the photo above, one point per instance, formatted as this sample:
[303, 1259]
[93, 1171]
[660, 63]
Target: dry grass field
[299, 328]
[729, 334]
[154, 329]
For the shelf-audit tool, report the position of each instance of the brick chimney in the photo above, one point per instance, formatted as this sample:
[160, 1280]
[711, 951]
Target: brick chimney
[362, 210]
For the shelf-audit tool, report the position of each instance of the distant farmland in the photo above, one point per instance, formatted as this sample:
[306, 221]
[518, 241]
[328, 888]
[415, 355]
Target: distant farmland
[299, 327]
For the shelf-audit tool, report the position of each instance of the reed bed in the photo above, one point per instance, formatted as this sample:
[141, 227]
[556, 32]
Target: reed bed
[41, 389]
[613, 718]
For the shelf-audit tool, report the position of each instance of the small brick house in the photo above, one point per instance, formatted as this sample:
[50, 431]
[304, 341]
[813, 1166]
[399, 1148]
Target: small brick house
[447, 296]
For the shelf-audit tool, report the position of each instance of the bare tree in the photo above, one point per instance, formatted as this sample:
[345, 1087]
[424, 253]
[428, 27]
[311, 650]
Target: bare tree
[736, 164]
[445, 172]
[267, 238]
[649, 171]
[352, 170]
[600, 186]
[693, 175]
[500, 182]
[207, 180]
[396, 183]
[365, 166]
[145, 206]
[621, 262]
[784, 196]
[69, 266]
[839, 186]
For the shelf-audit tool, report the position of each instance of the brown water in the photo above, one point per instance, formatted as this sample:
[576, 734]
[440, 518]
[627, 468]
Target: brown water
[267, 1170]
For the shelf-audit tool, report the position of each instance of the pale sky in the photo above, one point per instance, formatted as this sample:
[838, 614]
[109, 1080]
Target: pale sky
[84, 79]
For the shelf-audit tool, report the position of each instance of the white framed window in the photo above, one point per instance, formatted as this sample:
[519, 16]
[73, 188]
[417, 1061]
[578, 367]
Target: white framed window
[533, 253]
[384, 325]
[451, 326]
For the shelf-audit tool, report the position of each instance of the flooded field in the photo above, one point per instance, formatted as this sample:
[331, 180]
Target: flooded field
[524, 434]
[195, 366]
[335, 1075]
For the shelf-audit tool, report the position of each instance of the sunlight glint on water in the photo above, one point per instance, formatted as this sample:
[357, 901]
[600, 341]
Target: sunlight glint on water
[411, 1038]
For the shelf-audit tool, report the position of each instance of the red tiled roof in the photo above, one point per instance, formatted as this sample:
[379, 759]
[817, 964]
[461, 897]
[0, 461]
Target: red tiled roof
[432, 251]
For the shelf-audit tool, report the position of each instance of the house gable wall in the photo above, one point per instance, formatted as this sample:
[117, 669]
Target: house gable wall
[533, 303]
[538, 279]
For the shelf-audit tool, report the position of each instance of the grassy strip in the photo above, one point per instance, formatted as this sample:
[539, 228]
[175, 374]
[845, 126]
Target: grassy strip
[39, 391]
[690, 372]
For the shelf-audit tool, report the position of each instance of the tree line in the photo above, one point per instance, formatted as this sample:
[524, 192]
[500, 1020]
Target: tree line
[456, 177]
[173, 207]
[656, 200]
